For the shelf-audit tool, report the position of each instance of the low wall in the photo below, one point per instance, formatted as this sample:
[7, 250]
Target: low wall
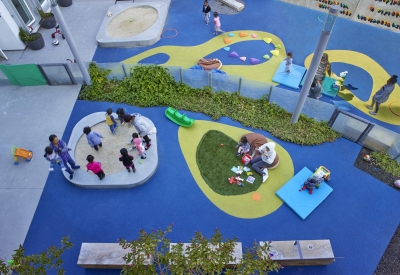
[359, 11]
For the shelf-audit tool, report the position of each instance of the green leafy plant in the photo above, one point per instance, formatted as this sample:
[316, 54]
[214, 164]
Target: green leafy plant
[201, 256]
[36, 263]
[152, 85]
[45, 15]
[28, 37]
[388, 164]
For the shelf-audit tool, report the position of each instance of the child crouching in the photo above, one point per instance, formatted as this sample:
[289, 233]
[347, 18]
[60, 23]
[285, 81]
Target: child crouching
[95, 167]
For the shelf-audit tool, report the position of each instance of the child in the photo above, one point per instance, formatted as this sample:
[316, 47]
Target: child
[53, 158]
[217, 23]
[243, 146]
[206, 11]
[93, 138]
[127, 160]
[312, 182]
[315, 90]
[139, 145]
[111, 121]
[141, 127]
[382, 95]
[121, 112]
[289, 61]
[95, 167]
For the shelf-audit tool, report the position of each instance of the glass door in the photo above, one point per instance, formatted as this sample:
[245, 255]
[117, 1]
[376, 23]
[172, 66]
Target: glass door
[23, 11]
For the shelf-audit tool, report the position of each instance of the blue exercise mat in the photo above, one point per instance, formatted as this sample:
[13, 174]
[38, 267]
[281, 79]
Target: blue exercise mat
[291, 79]
[302, 202]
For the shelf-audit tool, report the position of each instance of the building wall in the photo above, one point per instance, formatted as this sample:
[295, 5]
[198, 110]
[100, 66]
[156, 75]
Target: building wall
[361, 8]
[9, 39]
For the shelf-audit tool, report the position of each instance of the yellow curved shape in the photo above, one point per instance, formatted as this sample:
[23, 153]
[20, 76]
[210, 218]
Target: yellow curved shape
[187, 57]
[240, 206]
[379, 78]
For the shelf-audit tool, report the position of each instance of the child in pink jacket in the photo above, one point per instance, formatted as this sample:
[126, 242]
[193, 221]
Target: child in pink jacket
[139, 145]
[95, 167]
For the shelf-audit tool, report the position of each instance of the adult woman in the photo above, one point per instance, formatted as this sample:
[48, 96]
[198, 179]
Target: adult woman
[60, 147]
[269, 158]
[382, 95]
[141, 127]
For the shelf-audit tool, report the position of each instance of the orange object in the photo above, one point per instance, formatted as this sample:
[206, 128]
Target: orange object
[243, 34]
[22, 153]
[256, 196]
[227, 40]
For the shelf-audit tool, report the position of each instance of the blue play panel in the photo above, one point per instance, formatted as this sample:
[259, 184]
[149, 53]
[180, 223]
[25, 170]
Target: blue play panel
[302, 202]
[291, 79]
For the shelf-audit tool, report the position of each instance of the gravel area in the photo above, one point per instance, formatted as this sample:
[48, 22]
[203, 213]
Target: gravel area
[223, 9]
[390, 261]
[374, 170]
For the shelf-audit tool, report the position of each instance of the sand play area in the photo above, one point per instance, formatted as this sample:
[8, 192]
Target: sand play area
[108, 155]
[132, 22]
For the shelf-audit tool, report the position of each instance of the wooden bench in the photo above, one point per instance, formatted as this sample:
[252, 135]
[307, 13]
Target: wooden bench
[302, 252]
[237, 252]
[233, 4]
[104, 256]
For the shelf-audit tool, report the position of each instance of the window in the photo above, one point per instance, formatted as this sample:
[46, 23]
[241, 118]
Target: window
[23, 11]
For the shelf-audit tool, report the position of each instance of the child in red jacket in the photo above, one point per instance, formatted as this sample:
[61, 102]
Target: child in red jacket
[95, 167]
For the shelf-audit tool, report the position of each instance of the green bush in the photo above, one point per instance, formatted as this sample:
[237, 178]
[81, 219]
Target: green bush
[388, 164]
[153, 86]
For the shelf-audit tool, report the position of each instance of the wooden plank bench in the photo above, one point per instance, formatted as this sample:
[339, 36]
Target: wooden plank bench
[233, 4]
[237, 252]
[302, 252]
[104, 256]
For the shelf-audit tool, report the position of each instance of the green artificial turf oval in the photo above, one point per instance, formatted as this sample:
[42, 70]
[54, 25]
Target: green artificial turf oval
[215, 162]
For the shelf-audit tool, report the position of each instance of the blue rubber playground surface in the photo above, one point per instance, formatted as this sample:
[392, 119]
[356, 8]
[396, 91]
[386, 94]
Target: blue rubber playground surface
[359, 216]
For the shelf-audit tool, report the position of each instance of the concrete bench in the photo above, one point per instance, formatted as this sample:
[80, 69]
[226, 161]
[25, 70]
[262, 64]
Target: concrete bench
[233, 4]
[237, 252]
[302, 252]
[104, 256]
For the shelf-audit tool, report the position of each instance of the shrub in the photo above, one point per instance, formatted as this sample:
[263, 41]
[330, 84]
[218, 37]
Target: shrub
[153, 86]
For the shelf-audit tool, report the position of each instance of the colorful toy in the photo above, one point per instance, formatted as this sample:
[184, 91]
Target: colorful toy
[325, 171]
[367, 158]
[237, 181]
[178, 118]
[397, 183]
[19, 152]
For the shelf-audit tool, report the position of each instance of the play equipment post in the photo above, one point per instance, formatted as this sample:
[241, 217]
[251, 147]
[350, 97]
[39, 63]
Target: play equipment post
[319, 50]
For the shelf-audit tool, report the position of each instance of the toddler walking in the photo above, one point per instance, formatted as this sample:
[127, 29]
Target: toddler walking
[206, 11]
[289, 62]
[53, 158]
[127, 160]
[217, 23]
[111, 121]
[243, 146]
[95, 167]
[93, 138]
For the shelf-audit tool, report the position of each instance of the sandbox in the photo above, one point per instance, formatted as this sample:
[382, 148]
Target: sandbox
[133, 24]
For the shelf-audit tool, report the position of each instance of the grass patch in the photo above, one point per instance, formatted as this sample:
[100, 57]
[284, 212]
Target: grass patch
[215, 163]
[384, 161]
[153, 86]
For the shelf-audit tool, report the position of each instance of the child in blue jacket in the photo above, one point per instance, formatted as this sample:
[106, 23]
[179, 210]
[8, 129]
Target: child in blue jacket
[93, 138]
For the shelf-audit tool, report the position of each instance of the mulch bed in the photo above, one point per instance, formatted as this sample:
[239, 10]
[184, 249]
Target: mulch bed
[390, 261]
[374, 170]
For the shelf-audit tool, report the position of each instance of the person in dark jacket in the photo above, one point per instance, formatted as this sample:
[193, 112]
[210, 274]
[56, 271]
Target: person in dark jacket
[382, 95]
[127, 160]
[60, 148]
[206, 11]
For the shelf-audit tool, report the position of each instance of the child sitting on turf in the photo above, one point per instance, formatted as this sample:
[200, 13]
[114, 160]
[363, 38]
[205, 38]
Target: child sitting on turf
[127, 160]
[93, 138]
[312, 182]
[111, 121]
[289, 62]
[95, 167]
[53, 158]
[243, 146]
[138, 143]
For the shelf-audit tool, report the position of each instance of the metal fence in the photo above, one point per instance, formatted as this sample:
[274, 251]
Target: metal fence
[352, 127]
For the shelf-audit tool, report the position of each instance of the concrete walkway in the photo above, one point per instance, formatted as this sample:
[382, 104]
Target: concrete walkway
[30, 114]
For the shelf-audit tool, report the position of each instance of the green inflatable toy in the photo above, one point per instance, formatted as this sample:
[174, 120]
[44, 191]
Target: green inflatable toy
[178, 118]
